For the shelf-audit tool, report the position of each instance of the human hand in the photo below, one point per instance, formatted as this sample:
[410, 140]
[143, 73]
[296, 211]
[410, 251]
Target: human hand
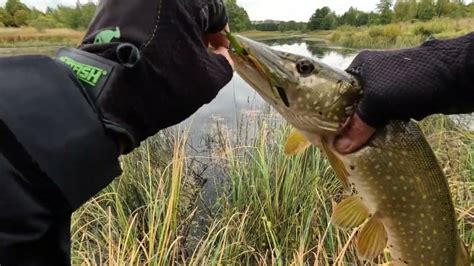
[219, 43]
[166, 72]
[409, 83]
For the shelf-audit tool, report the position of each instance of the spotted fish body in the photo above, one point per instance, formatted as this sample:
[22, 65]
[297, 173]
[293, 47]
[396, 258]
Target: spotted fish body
[403, 186]
[403, 200]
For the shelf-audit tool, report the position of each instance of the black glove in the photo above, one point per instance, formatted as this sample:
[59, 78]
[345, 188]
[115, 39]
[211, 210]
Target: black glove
[437, 77]
[162, 70]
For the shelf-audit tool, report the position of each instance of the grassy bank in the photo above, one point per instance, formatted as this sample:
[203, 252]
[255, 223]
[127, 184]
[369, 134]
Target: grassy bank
[400, 35]
[271, 35]
[274, 210]
[396, 35]
[28, 37]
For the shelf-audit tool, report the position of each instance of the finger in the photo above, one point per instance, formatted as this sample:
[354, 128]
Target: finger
[219, 39]
[354, 136]
[225, 52]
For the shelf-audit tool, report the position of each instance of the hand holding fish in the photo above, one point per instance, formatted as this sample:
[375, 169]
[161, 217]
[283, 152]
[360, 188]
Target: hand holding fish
[219, 43]
[436, 77]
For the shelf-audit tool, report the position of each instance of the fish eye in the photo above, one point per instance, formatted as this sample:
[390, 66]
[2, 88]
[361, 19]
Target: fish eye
[305, 67]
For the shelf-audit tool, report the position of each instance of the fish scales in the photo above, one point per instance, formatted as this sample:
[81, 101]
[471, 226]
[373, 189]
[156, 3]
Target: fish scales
[402, 183]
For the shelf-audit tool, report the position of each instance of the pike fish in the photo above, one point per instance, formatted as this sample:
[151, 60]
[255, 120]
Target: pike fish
[402, 200]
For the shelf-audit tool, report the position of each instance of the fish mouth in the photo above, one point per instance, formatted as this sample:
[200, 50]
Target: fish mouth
[267, 65]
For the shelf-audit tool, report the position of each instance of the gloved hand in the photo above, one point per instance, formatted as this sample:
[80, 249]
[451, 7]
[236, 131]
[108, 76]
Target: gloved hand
[162, 68]
[437, 77]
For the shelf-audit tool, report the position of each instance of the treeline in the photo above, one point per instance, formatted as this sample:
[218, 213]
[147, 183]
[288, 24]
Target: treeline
[17, 14]
[280, 26]
[388, 12]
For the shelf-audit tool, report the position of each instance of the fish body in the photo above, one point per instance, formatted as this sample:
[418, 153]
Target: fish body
[402, 198]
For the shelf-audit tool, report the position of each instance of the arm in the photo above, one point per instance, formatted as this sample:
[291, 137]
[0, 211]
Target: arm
[142, 67]
[437, 77]
[175, 75]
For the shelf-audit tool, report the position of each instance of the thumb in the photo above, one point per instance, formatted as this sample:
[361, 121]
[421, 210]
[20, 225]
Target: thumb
[224, 52]
[354, 135]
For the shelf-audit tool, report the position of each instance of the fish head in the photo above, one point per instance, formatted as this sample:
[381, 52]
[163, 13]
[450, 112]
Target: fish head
[309, 94]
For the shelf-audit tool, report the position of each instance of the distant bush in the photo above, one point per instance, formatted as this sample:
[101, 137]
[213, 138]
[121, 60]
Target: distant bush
[346, 28]
[392, 31]
[434, 27]
[335, 37]
[42, 23]
[376, 32]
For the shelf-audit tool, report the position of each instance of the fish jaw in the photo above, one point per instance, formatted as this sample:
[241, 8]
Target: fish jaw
[310, 95]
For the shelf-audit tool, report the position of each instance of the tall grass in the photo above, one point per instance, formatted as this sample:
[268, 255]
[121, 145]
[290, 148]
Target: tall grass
[273, 210]
[398, 35]
[21, 37]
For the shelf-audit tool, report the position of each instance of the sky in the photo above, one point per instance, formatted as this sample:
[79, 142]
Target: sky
[299, 10]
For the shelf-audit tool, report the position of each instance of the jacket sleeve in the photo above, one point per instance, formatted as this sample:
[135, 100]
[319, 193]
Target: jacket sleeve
[436, 77]
[50, 130]
[217, 16]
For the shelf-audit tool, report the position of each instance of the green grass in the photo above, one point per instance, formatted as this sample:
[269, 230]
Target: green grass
[274, 209]
[271, 35]
[399, 35]
[396, 35]
[29, 37]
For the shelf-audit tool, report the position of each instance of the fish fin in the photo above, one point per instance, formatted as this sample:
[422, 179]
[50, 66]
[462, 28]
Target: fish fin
[371, 240]
[350, 213]
[462, 257]
[296, 143]
[336, 164]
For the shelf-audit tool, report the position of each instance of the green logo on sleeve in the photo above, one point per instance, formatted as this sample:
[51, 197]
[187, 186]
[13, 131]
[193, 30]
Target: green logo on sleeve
[86, 73]
[107, 36]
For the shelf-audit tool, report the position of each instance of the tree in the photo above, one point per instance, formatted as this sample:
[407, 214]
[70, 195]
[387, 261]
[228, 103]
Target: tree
[12, 6]
[20, 17]
[354, 17]
[267, 26]
[238, 18]
[384, 7]
[68, 16]
[401, 10]
[426, 10]
[412, 9]
[5, 18]
[322, 19]
[35, 13]
[362, 19]
[43, 22]
[87, 13]
[350, 17]
[374, 19]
